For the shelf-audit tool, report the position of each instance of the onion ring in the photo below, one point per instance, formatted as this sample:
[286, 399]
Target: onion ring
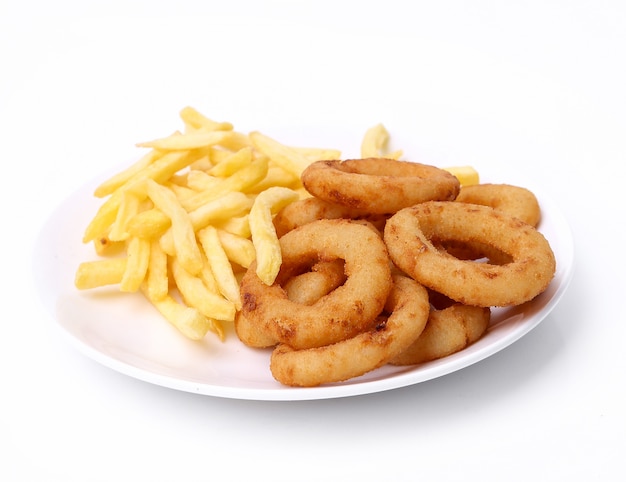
[310, 209]
[378, 185]
[341, 313]
[447, 331]
[409, 236]
[515, 200]
[389, 336]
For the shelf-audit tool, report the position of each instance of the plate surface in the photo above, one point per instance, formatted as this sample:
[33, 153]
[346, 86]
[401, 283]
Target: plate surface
[124, 332]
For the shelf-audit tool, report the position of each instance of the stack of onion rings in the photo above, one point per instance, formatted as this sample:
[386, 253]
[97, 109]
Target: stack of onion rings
[336, 311]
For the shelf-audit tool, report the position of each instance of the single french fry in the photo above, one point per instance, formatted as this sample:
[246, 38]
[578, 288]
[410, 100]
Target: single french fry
[207, 276]
[183, 233]
[264, 238]
[101, 272]
[220, 265]
[137, 265]
[374, 143]
[197, 295]
[157, 283]
[374, 140]
[194, 119]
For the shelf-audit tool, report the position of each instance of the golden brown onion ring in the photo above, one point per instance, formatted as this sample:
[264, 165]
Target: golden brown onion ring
[341, 313]
[378, 185]
[408, 307]
[409, 236]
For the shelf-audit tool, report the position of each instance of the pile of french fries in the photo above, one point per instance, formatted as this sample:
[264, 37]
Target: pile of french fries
[184, 222]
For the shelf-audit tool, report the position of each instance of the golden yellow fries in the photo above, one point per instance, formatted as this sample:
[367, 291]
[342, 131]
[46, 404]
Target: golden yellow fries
[189, 214]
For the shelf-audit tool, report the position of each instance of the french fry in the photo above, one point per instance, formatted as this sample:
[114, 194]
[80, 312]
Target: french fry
[197, 295]
[220, 265]
[102, 272]
[157, 283]
[375, 141]
[207, 276]
[264, 238]
[138, 259]
[182, 229]
[195, 120]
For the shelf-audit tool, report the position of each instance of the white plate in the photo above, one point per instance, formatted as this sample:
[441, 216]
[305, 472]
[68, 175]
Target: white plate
[125, 333]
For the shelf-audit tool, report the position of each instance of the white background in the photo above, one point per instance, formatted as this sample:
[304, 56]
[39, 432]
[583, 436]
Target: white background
[531, 90]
